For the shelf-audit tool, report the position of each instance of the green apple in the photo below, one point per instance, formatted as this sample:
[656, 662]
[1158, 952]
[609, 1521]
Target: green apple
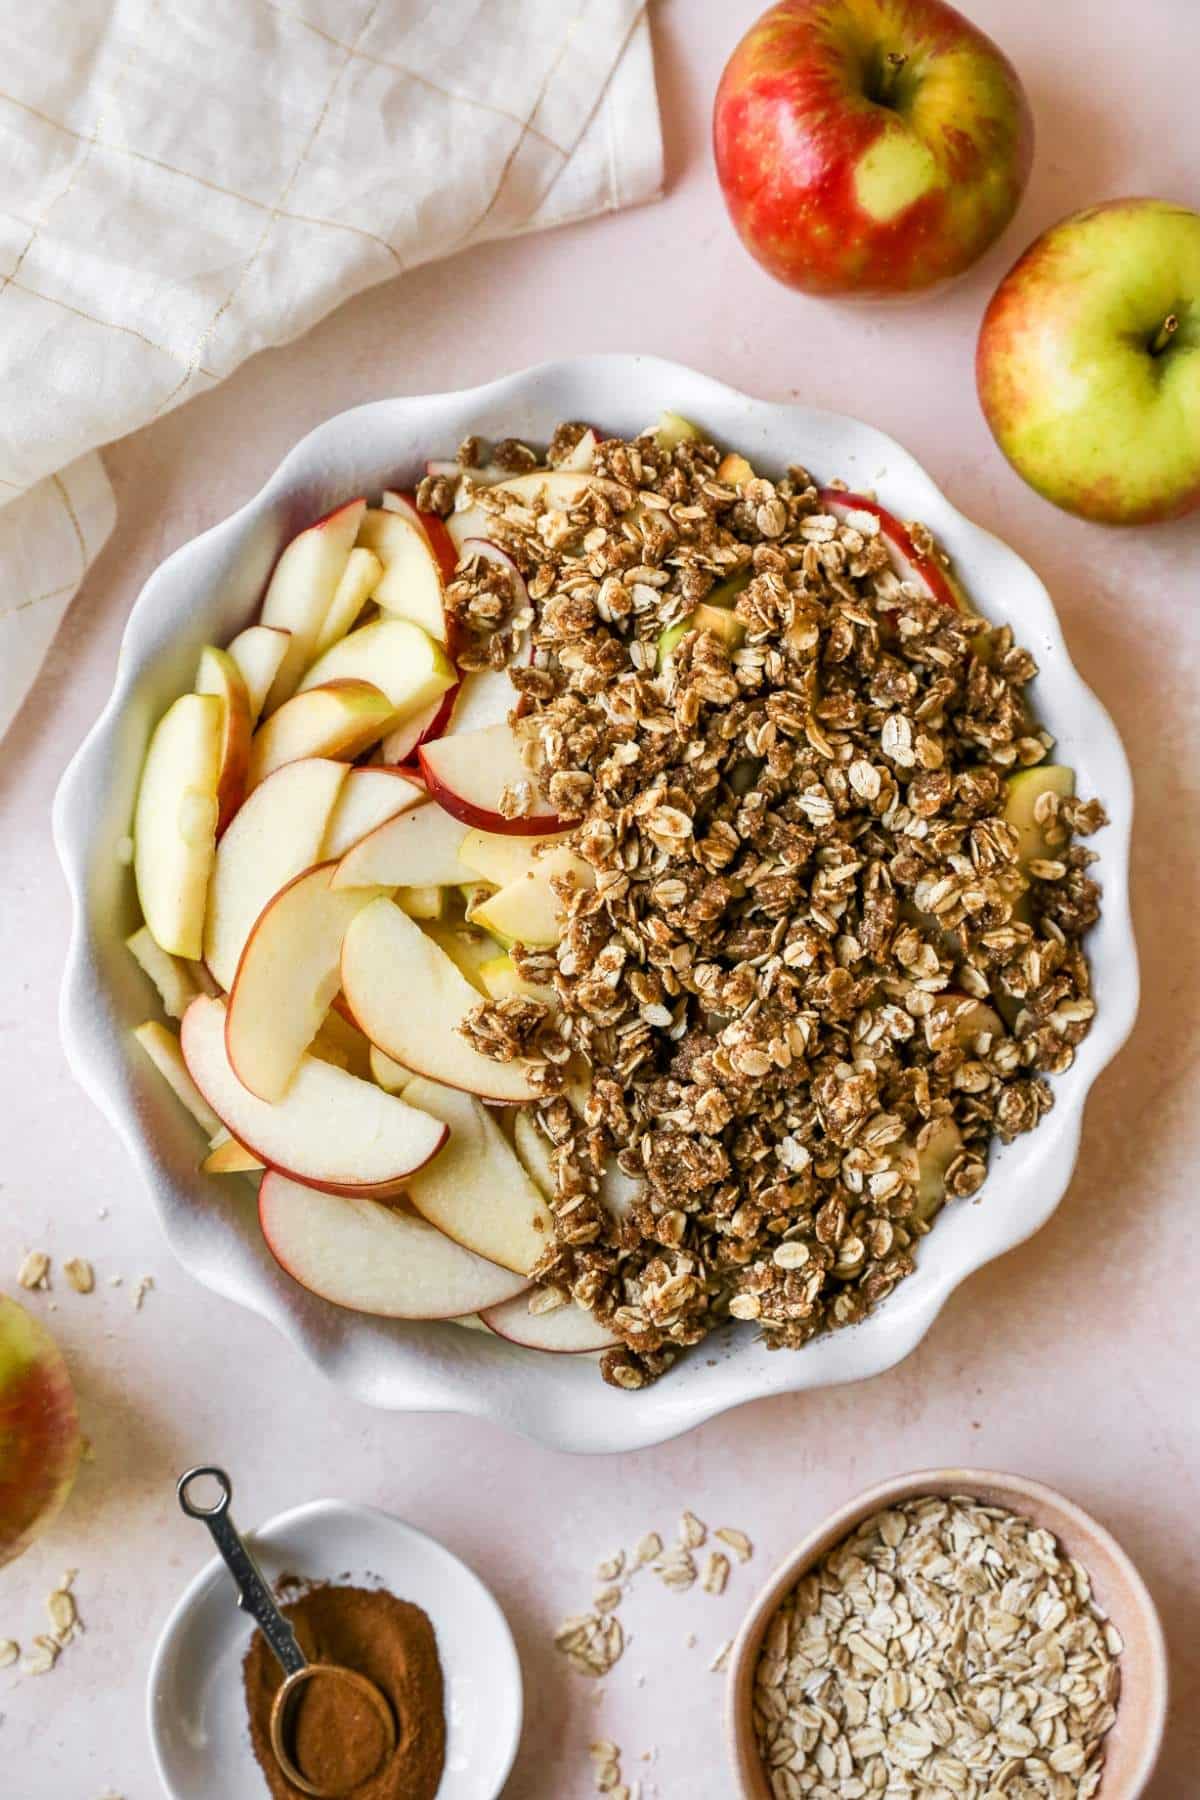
[1088, 363]
[39, 1429]
[718, 619]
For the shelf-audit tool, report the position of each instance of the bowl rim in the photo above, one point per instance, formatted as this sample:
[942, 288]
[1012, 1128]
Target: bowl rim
[314, 1512]
[1025, 1495]
[92, 1037]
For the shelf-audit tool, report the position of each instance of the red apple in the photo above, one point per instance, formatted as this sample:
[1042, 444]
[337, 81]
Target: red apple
[39, 1429]
[909, 563]
[869, 147]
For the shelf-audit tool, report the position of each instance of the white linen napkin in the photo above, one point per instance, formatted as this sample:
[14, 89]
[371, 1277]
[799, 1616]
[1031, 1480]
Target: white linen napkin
[185, 184]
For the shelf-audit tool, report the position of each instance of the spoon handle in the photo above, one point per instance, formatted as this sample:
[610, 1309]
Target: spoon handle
[254, 1594]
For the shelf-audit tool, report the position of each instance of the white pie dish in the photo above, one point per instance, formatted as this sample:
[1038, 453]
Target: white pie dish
[195, 1708]
[208, 590]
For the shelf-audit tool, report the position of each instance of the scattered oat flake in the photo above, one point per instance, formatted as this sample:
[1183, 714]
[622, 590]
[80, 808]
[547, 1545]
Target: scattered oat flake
[34, 1271]
[647, 1549]
[716, 1573]
[611, 1567]
[721, 1657]
[9, 1652]
[692, 1532]
[42, 1658]
[738, 1542]
[676, 1570]
[79, 1274]
[60, 1606]
[145, 1283]
[607, 1599]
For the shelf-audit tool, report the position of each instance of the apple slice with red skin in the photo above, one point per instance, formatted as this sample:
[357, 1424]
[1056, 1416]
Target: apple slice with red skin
[301, 591]
[372, 1258]
[276, 834]
[287, 978]
[432, 524]
[409, 998]
[569, 1330]
[392, 654]
[467, 773]
[219, 674]
[370, 796]
[478, 1191]
[258, 651]
[341, 719]
[399, 747]
[909, 563]
[40, 1440]
[331, 1130]
[419, 848]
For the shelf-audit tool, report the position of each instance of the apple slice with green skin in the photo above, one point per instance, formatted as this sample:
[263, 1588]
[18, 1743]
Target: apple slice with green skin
[258, 652]
[302, 588]
[671, 429]
[569, 1330]
[371, 1258]
[175, 822]
[287, 978]
[1022, 793]
[411, 586]
[340, 719]
[360, 578]
[330, 1130]
[501, 980]
[171, 975]
[277, 834]
[409, 998]
[526, 911]
[163, 1049]
[561, 489]
[467, 774]
[419, 848]
[925, 572]
[392, 654]
[40, 1440]
[218, 674]
[478, 1191]
[230, 1158]
[718, 620]
[399, 747]
[369, 798]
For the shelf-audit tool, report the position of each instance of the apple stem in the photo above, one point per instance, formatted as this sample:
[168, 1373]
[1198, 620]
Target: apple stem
[1164, 334]
[893, 62]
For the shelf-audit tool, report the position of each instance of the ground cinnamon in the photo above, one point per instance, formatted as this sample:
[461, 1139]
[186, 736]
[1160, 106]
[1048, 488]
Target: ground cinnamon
[335, 1736]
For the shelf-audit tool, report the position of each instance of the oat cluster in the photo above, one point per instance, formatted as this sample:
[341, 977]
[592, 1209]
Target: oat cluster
[804, 886]
[945, 1648]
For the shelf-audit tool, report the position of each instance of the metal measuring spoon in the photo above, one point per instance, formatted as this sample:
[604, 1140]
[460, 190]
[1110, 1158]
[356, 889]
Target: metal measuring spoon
[256, 1598]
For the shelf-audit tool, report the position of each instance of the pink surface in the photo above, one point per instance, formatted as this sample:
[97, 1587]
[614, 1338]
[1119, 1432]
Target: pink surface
[1072, 1360]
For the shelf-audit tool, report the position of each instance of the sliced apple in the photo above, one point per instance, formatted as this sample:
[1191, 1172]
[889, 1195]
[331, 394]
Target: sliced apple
[580, 459]
[287, 978]
[500, 859]
[369, 797]
[343, 1044]
[400, 745]
[959, 1019]
[277, 833]
[733, 470]
[371, 1258]
[172, 976]
[432, 524]
[485, 697]
[330, 1129]
[569, 1330]
[419, 848]
[910, 564]
[938, 1143]
[410, 999]
[533, 1147]
[175, 822]
[718, 620]
[218, 674]
[392, 1077]
[359, 580]
[302, 588]
[500, 979]
[258, 652]
[411, 586]
[468, 949]
[468, 772]
[1021, 795]
[392, 654]
[672, 429]
[340, 719]
[526, 911]
[425, 903]
[162, 1047]
[477, 1191]
[228, 1157]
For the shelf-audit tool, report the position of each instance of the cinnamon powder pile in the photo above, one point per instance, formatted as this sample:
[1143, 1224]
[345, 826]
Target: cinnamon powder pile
[336, 1735]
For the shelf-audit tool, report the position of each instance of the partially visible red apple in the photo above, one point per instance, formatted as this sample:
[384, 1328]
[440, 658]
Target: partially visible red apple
[39, 1429]
[1089, 363]
[869, 147]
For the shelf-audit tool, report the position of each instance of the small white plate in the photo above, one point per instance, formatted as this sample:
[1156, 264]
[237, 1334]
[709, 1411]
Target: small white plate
[195, 1705]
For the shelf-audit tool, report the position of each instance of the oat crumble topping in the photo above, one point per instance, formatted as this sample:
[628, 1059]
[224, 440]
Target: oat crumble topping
[811, 956]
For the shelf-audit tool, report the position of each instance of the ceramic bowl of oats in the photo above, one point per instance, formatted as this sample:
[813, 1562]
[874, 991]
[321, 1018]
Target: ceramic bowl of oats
[953, 1631]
